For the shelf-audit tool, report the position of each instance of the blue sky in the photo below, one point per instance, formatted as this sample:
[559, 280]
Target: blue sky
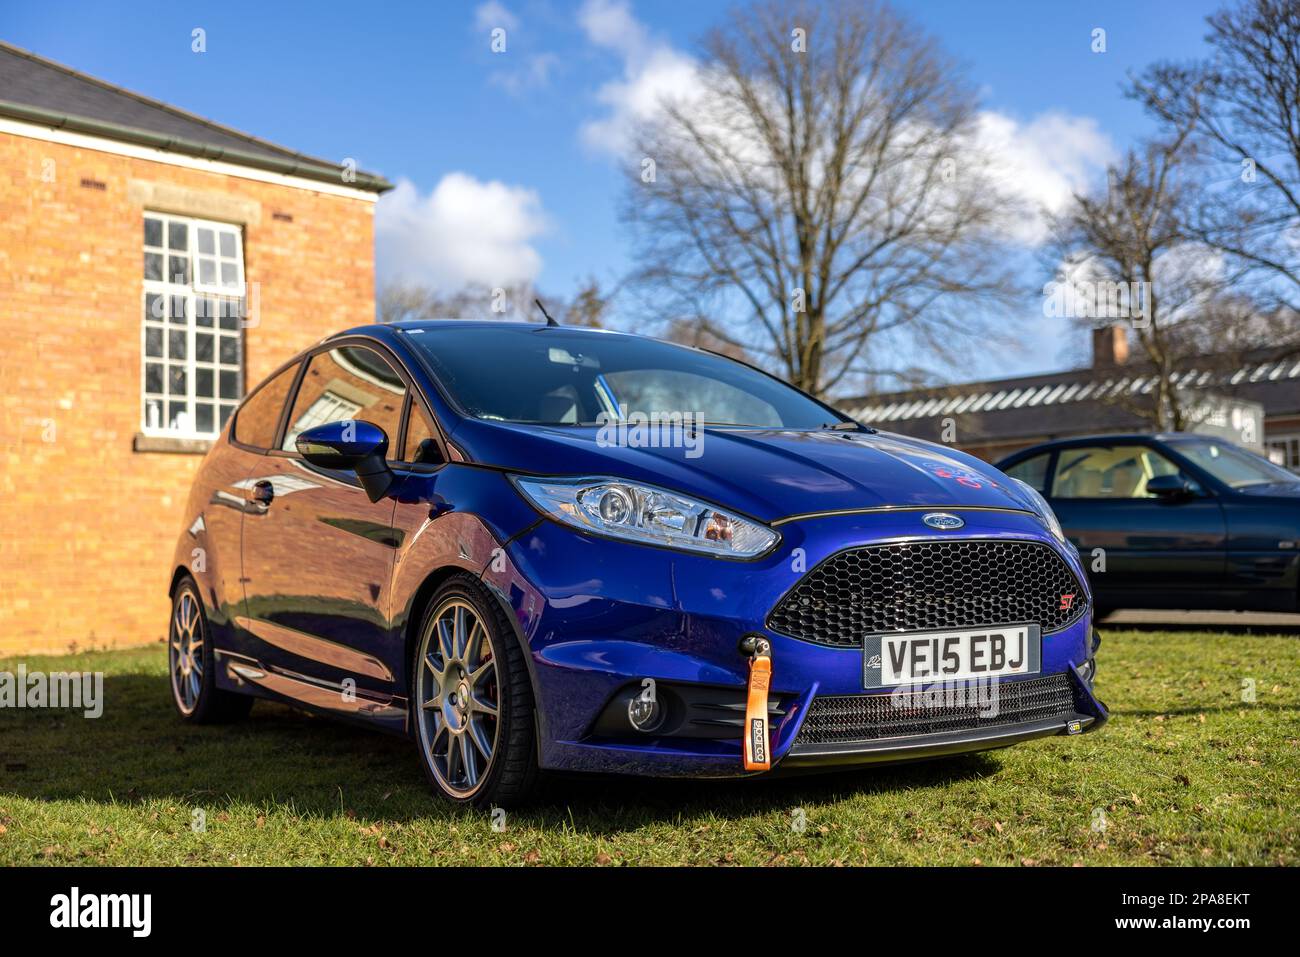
[412, 90]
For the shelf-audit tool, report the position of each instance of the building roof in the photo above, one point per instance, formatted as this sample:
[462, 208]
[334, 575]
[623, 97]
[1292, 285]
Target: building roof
[36, 90]
[1075, 401]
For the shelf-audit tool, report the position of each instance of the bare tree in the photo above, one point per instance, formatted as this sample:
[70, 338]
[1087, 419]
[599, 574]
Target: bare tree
[1244, 105]
[400, 300]
[822, 188]
[1126, 255]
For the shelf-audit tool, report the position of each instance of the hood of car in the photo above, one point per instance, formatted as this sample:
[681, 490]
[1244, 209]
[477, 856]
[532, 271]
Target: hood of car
[768, 474]
[1282, 490]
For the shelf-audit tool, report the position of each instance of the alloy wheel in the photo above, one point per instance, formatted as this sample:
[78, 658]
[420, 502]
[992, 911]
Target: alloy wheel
[185, 651]
[458, 697]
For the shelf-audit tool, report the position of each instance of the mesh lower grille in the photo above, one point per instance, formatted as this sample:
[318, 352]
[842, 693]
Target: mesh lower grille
[868, 717]
[918, 586]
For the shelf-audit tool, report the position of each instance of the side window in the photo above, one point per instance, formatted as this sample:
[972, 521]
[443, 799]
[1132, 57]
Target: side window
[421, 446]
[349, 382]
[256, 422]
[1032, 471]
[1108, 472]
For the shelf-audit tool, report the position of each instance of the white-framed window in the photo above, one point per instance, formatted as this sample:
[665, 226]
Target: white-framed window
[191, 338]
[1286, 449]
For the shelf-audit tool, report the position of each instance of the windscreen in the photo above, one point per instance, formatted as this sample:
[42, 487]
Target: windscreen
[568, 377]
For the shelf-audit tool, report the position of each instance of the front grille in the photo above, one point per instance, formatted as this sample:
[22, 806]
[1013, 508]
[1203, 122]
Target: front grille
[919, 586]
[842, 719]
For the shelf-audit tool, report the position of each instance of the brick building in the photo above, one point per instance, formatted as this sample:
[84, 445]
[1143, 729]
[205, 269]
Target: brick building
[153, 267]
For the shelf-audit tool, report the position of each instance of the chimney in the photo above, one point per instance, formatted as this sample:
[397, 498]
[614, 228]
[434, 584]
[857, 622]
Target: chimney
[1109, 346]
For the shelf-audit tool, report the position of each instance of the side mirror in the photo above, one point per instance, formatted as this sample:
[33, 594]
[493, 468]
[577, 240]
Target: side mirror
[1170, 487]
[350, 446]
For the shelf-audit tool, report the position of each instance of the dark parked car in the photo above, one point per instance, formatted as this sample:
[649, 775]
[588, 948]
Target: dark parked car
[443, 529]
[1173, 520]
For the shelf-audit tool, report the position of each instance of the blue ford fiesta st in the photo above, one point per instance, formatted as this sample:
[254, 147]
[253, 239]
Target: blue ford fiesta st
[542, 548]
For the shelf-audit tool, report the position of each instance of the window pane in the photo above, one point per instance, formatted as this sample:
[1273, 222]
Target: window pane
[203, 383]
[153, 377]
[229, 384]
[178, 270]
[153, 306]
[231, 312]
[205, 241]
[229, 275]
[418, 431]
[176, 344]
[229, 350]
[153, 266]
[176, 381]
[225, 414]
[203, 347]
[1108, 472]
[349, 382]
[177, 236]
[1232, 465]
[153, 232]
[228, 245]
[178, 416]
[177, 310]
[1032, 471]
[153, 342]
[207, 271]
[203, 416]
[205, 311]
[153, 413]
[259, 416]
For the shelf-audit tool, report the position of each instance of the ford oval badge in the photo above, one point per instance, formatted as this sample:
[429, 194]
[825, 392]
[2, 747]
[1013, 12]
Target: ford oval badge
[942, 520]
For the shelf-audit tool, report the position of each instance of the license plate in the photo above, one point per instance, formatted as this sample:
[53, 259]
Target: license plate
[922, 657]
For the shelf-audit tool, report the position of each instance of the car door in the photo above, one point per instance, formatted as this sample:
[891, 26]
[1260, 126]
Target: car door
[318, 554]
[1137, 548]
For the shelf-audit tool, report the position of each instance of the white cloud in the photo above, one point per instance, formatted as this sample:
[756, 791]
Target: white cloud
[463, 232]
[534, 74]
[488, 16]
[653, 71]
[1044, 161]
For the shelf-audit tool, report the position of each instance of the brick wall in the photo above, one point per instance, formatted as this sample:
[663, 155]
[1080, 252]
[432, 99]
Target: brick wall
[87, 525]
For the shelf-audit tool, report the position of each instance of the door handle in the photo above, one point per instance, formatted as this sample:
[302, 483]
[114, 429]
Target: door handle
[263, 492]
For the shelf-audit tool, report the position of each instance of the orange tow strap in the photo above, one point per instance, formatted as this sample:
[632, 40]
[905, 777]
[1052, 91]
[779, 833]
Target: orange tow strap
[757, 756]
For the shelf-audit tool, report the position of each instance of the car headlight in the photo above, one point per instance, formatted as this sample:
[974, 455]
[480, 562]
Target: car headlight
[643, 513]
[1039, 505]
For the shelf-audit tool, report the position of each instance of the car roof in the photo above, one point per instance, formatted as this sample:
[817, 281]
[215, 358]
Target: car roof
[420, 325]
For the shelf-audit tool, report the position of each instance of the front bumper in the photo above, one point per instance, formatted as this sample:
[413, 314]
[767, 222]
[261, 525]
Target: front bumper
[598, 617]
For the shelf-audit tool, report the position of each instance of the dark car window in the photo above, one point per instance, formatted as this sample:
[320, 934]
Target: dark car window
[1108, 472]
[349, 382]
[1234, 466]
[569, 377]
[1032, 471]
[420, 447]
[259, 416]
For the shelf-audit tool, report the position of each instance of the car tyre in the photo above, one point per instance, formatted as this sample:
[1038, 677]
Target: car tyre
[472, 710]
[191, 664]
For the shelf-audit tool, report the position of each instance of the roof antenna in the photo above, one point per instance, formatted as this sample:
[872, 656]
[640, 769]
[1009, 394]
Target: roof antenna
[549, 320]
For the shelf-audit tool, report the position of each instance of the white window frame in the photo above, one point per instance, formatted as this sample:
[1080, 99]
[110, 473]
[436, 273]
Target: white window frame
[191, 293]
[1288, 443]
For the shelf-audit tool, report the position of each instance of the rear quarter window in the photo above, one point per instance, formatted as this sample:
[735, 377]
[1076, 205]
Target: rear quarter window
[259, 416]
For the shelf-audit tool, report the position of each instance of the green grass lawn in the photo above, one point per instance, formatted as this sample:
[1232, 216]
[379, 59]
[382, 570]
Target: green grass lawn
[1185, 773]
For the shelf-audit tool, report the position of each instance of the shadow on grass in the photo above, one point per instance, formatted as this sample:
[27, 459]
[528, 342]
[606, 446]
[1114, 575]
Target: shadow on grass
[281, 758]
